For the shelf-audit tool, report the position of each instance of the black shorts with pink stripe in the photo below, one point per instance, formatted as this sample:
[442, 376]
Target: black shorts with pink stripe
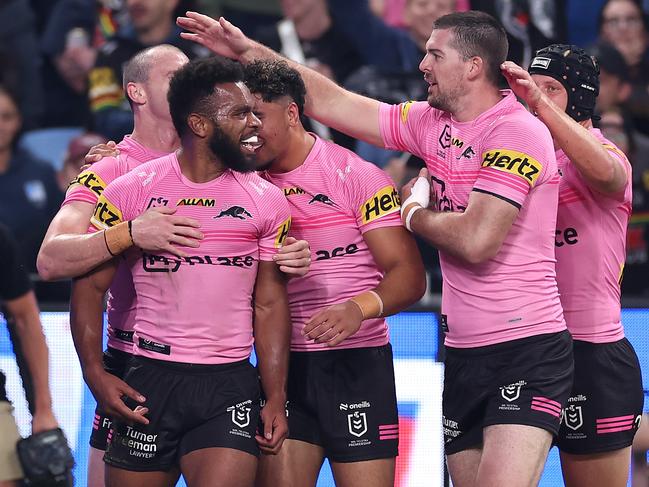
[344, 401]
[525, 381]
[605, 405]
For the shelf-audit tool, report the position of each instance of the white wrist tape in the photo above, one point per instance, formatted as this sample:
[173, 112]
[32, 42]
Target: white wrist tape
[420, 194]
[411, 212]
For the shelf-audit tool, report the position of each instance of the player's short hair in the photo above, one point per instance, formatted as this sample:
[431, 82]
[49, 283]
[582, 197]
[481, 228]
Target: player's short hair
[274, 79]
[137, 69]
[478, 34]
[192, 84]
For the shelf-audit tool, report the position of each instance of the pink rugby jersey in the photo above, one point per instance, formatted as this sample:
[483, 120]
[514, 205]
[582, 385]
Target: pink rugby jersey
[590, 247]
[335, 197]
[505, 152]
[198, 309]
[87, 188]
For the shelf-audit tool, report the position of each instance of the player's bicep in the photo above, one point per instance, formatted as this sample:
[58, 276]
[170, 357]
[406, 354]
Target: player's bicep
[94, 283]
[392, 247]
[489, 219]
[270, 288]
[71, 219]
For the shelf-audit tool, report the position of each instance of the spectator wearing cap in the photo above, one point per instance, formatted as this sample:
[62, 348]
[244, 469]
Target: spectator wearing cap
[74, 158]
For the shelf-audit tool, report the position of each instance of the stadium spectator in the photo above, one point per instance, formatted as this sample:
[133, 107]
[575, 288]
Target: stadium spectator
[151, 23]
[75, 157]
[29, 195]
[20, 59]
[623, 24]
[252, 14]
[21, 311]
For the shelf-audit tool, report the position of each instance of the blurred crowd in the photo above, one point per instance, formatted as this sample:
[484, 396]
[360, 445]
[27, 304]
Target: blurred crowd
[61, 90]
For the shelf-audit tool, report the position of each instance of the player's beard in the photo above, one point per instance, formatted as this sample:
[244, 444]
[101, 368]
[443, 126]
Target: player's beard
[446, 101]
[229, 152]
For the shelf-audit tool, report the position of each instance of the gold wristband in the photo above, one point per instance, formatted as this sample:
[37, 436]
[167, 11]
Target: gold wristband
[118, 238]
[370, 304]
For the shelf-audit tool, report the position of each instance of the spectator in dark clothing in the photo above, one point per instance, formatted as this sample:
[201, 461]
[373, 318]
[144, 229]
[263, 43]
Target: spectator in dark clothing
[152, 23]
[20, 59]
[29, 196]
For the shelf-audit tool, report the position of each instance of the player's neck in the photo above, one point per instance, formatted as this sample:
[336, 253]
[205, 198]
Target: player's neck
[475, 103]
[154, 135]
[298, 149]
[197, 163]
[157, 34]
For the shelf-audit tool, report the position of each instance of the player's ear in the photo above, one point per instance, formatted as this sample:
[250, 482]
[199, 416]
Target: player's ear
[198, 124]
[135, 93]
[476, 67]
[293, 114]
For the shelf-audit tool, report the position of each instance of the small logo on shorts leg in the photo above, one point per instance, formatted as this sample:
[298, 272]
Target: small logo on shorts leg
[511, 392]
[357, 423]
[573, 417]
[241, 416]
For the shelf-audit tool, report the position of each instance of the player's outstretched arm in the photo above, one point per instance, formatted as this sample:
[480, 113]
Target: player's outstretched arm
[68, 250]
[86, 325]
[403, 284]
[601, 170]
[473, 236]
[272, 329]
[330, 104]
[24, 311]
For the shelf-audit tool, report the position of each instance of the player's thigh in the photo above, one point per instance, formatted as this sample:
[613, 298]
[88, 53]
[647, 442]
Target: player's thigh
[463, 466]
[232, 468]
[10, 469]
[297, 464]
[96, 467]
[377, 473]
[117, 477]
[513, 455]
[608, 469]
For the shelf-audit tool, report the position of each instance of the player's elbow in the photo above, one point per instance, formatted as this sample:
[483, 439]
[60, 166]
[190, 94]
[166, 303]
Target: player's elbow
[46, 266]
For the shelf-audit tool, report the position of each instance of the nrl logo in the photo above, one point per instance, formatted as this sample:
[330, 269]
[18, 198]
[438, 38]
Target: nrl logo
[357, 423]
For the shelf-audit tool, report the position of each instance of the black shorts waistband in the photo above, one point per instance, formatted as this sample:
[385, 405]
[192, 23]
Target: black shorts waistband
[498, 348]
[118, 354]
[340, 351]
[189, 368]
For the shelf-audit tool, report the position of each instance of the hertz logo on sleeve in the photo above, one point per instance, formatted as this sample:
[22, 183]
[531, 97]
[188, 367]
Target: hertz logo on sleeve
[405, 108]
[196, 202]
[385, 201]
[91, 181]
[513, 162]
[282, 232]
[106, 214]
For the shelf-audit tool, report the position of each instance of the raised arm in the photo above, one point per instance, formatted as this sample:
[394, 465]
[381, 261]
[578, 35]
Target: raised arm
[601, 170]
[272, 329]
[86, 325]
[330, 104]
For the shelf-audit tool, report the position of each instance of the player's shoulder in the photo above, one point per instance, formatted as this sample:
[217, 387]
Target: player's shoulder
[338, 163]
[147, 173]
[412, 111]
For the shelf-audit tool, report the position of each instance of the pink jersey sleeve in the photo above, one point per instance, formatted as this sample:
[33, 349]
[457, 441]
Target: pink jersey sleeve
[513, 163]
[89, 184]
[625, 194]
[374, 198]
[276, 224]
[402, 126]
[118, 202]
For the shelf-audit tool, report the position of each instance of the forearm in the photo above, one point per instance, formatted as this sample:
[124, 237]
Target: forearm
[451, 234]
[586, 153]
[34, 349]
[329, 103]
[69, 255]
[272, 342]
